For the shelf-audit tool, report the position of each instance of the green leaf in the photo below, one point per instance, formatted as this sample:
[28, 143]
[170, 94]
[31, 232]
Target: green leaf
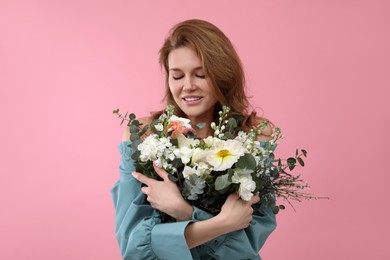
[135, 155]
[281, 207]
[172, 178]
[232, 122]
[155, 122]
[174, 142]
[133, 129]
[143, 131]
[301, 161]
[271, 157]
[177, 163]
[304, 152]
[229, 135]
[247, 161]
[191, 135]
[296, 152]
[131, 116]
[291, 163]
[275, 209]
[201, 125]
[291, 160]
[134, 136]
[222, 182]
[135, 143]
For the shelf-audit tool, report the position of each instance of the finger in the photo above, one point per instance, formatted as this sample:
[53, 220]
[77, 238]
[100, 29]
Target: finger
[161, 172]
[142, 178]
[145, 190]
[255, 199]
[233, 196]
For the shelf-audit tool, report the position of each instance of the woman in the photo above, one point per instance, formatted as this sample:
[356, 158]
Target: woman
[203, 73]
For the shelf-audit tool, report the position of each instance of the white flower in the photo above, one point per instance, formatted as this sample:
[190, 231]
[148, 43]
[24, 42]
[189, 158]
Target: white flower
[225, 154]
[184, 153]
[188, 171]
[199, 155]
[247, 185]
[151, 148]
[184, 121]
[159, 127]
[211, 141]
[184, 141]
[203, 168]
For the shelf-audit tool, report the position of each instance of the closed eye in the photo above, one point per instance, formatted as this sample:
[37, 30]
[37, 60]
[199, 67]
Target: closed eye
[177, 77]
[200, 76]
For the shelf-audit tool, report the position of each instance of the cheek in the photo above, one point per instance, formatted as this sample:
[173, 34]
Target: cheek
[173, 87]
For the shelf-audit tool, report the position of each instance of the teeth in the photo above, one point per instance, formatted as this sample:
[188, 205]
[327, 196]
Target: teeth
[192, 99]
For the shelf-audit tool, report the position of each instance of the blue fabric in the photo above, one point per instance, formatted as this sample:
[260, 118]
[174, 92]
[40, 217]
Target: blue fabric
[141, 235]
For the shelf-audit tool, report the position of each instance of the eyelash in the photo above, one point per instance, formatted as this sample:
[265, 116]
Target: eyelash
[180, 77]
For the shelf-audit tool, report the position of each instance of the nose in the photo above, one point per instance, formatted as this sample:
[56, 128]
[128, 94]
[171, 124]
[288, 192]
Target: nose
[188, 84]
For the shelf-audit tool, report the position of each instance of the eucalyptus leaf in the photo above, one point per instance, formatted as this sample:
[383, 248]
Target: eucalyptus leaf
[143, 131]
[135, 143]
[134, 136]
[300, 161]
[134, 129]
[229, 135]
[232, 122]
[135, 155]
[201, 125]
[177, 163]
[247, 161]
[155, 122]
[132, 116]
[222, 182]
[172, 178]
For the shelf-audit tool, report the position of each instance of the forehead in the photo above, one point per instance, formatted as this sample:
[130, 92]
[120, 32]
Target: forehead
[184, 58]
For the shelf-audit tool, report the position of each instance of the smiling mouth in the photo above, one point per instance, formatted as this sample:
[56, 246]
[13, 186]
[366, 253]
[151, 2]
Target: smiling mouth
[192, 98]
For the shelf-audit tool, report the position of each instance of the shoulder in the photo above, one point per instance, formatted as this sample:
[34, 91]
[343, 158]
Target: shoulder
[143, 121]
[266, 133]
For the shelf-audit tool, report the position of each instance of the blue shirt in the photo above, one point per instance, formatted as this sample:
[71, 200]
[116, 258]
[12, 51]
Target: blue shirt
[141, 235]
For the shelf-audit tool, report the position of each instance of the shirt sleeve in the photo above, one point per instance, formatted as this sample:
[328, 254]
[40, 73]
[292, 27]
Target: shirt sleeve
[139, 230]
[242, 244]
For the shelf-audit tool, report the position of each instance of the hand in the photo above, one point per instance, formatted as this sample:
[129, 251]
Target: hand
[237, 213]
[164, 195]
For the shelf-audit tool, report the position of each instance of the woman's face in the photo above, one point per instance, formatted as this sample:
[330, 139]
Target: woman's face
[189, 85]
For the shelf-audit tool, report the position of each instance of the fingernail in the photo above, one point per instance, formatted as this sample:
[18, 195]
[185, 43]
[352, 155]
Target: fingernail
[134, 174]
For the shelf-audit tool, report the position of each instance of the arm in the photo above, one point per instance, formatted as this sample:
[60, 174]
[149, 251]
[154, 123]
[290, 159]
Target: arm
[235, 214]
[244, 243]
[138, 230]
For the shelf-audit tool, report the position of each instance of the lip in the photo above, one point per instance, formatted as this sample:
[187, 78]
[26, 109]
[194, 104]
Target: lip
[194, 100]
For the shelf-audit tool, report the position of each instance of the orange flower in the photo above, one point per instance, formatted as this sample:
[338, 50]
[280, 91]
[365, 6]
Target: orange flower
[178, 126]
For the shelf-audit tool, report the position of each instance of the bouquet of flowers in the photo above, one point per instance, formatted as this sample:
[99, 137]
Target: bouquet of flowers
[208, 170]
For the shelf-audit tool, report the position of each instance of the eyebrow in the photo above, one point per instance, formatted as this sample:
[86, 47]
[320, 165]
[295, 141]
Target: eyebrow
[177, 69]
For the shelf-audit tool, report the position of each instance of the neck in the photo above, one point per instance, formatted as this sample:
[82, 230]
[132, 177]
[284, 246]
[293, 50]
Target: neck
[203, 132]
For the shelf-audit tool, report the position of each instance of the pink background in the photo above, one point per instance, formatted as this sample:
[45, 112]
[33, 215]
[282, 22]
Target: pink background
[318, 69]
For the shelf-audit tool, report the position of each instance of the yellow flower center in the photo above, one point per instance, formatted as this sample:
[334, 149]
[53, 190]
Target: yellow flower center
[223, 153]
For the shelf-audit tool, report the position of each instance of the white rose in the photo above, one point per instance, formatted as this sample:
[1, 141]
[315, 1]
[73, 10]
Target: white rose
[247, 185]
